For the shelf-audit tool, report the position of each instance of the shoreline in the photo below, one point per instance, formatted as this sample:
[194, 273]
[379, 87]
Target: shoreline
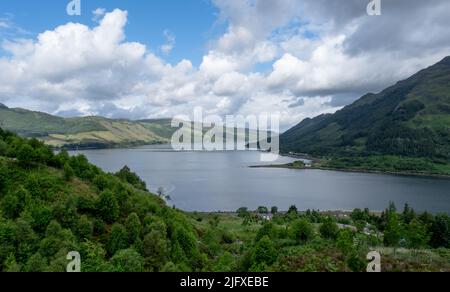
[302, 212]
[300, 157]
[351, 170]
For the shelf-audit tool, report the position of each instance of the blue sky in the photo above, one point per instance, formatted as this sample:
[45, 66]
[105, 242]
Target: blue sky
[295, 58]
[192, 22]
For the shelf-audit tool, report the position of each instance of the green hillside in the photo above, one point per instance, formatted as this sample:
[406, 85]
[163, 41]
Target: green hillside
[96, 132]
[52, 204]
[409, 119]
[90, 132]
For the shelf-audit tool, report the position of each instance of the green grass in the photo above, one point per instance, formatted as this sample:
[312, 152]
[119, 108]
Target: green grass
[437, 122]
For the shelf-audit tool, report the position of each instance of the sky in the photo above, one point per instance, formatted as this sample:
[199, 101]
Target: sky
[156, 59]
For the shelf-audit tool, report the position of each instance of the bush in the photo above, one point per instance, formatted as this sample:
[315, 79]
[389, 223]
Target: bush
[43, 154]
[3, 177]
[126, 175]
[155, 250]
[42, 216]
[93, 257]
[441, 231]
[225, 263]
[133, 226]
[356, 263]
[53, 229]
[329, 229]
[393, 232]
[36, 263]
[26, 156]
[3, 148]
[345, 241]
[417, 235]
[83, 168]
[262, 210]
[85, 228]
[68, 172]
[118, 239]
[11, 206]
[128, 260]
[243, 212]
[108, 207]
[101, 182]
[265, 252]
[268, 230]
[302, 231]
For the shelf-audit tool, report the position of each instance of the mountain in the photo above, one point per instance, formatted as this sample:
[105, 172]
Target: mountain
[409, 119]
[94, 132]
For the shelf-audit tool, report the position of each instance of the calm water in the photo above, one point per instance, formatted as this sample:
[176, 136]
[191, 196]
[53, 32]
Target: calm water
[213, 181]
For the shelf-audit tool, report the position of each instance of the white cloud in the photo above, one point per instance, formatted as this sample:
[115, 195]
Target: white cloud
[314, 52]
[98, 14]
[167, 48]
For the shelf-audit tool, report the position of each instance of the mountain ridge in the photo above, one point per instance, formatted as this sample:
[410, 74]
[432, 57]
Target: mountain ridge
[84, 132]
[410, 118]
[91, 132]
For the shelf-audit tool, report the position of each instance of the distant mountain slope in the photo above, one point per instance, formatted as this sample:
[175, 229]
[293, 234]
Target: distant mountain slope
[90, 132]
[86, 131]
[411, 118]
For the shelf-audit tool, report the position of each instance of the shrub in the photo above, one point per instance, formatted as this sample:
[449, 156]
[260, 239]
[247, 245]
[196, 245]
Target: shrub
[329, 229]
[265, 252]
[36, 263]
[155, 250]
[302, 231]
[133, 226]
[441, 231]
[345, 241]
[101, 182]
[356, 263]
[417, 235]
[128, 260]
[268, 230]
[126, 175]
[118, 239]
[68, 172]
[108, 207]
[26, 156]
[85, 228]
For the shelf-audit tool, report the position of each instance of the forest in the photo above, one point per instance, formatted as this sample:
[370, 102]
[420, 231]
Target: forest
[52, 204]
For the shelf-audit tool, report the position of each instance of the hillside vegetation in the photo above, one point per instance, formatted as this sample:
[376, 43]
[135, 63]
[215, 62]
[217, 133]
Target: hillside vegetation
[409, 119]
[51, 204]
[87, 132]
[99, 132]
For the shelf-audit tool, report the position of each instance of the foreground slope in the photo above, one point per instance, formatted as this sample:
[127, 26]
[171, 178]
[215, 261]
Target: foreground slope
[53, 204]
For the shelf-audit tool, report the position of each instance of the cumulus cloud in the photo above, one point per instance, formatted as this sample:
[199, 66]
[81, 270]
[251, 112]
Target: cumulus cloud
[98, 14]
[318, 56]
